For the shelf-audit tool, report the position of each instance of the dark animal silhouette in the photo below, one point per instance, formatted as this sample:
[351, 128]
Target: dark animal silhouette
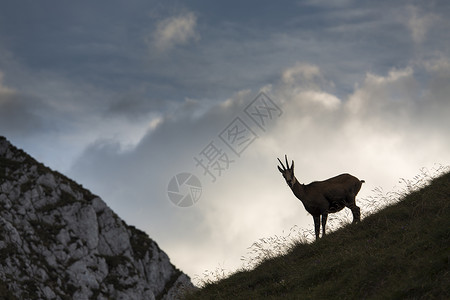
[323, 197]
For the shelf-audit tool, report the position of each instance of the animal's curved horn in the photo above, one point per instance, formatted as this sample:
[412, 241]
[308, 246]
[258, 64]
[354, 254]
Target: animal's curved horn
[287, 164]
[284, 169]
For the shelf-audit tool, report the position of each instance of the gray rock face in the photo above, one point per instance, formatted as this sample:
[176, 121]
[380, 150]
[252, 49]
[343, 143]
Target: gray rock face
[58, 241]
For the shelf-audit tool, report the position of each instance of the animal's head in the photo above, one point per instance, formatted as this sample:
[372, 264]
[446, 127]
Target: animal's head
[287, 172]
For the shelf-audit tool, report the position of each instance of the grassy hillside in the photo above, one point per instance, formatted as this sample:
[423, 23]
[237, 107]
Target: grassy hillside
[401, 252]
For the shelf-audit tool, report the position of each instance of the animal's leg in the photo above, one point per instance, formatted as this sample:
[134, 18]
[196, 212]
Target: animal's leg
[351, 203]
[317, 225]
[356, 211]
[324, 222]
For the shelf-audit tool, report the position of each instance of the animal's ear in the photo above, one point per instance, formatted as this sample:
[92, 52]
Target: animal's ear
[279, 169]
[292, 166]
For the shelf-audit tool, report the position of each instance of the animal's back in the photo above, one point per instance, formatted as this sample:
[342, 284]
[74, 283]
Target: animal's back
[338, 186]
[342, 178]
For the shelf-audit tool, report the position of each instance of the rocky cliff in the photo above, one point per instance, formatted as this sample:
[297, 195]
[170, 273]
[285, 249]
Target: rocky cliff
[59, 241]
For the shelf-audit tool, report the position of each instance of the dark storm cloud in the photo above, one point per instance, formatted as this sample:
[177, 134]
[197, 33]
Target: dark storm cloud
[124, 94]
[135, 104]
[17, 116]
[382, 131]
[21, 115]
[169, 146]
[217, 48]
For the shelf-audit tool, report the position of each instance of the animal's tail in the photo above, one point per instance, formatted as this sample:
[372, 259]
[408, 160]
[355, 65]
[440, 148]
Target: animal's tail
[362, 181]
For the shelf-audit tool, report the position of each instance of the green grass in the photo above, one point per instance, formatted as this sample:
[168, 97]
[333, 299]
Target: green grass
[400, 252]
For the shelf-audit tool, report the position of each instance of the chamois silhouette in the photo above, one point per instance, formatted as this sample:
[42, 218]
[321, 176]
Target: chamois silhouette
[321, 198]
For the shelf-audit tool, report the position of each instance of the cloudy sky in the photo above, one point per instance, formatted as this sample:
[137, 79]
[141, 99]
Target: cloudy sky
[124, 95]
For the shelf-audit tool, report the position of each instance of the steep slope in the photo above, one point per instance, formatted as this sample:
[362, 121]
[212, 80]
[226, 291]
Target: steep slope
[401, 252]
[58, 241]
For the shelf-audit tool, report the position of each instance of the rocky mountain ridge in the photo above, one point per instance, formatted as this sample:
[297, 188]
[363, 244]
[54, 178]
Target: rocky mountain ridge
[59, 241]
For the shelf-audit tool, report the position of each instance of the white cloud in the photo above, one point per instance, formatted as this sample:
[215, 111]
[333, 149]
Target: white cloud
[387, 127]
[379, 95]
[393, 76]
[326, 100]
[419, 23]
[300, 72]
[175, 30]
[381, 132]
[440, 64]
